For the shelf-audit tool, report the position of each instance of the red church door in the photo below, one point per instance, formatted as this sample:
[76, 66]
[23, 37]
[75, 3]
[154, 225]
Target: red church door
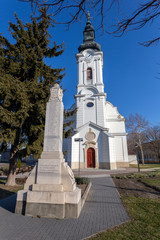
[90, 158]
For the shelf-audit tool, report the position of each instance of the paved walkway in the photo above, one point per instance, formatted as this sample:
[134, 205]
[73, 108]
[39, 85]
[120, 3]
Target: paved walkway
[102, 210]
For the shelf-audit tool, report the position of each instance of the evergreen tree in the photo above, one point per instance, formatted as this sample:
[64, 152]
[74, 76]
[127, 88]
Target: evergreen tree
[68, 129]
[25, 80]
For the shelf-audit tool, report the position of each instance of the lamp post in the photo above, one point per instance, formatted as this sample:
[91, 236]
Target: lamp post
[79, 140]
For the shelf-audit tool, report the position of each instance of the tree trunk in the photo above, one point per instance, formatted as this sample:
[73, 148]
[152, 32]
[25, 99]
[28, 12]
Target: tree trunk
[11, 180]
[12, 169]
[140, 145]
[142, 154]
[12, 173]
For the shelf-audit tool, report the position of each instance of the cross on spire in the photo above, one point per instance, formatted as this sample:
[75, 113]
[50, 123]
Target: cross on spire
[88, 16]
[89, 36]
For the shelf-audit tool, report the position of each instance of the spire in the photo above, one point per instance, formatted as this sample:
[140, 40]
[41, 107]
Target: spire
[89, 37]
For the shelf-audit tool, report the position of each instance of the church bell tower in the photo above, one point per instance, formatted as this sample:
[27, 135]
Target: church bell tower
[90, 97]
[99, 127]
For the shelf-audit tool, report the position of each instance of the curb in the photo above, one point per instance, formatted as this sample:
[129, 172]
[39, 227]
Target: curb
[85, 194]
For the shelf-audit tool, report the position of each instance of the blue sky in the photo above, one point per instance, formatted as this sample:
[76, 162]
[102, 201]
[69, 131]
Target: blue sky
[130, 70]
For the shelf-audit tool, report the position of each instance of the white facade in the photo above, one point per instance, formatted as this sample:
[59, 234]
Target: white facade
[97, 121]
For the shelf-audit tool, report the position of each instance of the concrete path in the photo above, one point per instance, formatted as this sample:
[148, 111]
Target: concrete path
[102, 210]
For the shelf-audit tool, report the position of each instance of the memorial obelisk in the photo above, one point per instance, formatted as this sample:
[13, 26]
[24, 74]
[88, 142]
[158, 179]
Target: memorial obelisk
[50, 190]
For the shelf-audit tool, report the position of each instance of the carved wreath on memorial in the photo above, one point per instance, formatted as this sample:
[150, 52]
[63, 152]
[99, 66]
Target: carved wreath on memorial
[56, 93]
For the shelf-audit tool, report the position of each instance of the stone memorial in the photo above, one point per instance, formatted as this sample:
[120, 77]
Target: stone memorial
[50, 190]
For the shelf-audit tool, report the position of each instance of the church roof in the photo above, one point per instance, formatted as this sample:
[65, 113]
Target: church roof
[89, 38]
[91, 124]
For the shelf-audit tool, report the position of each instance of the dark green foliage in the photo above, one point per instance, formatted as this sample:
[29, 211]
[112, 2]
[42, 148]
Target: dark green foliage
[82, 180]
[25, 80]
[68, 121]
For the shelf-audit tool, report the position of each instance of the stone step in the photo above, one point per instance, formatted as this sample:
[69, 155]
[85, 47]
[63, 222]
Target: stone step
[46, 197]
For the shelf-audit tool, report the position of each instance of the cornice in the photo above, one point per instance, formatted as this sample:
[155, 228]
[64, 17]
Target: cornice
[119, 134]
[116, 120]
[90, 85]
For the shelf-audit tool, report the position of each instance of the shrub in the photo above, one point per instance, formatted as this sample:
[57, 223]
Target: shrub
[81, 180]
[19, 163]
[137, 175]
[4, 171]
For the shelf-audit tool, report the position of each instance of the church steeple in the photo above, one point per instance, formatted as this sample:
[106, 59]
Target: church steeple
[89, 37]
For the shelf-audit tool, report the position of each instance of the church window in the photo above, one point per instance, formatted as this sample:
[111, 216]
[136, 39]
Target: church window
[89, 73]
[90, 104]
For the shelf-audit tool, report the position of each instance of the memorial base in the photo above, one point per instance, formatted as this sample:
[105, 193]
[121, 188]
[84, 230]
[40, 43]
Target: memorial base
[59, 211]
[52, 195]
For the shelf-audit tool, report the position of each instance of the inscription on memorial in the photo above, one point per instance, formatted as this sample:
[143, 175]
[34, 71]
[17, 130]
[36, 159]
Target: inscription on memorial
[51, 168]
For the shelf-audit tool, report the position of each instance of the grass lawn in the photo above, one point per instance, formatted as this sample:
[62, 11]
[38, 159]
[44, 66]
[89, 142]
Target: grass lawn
[145, 166]
[152, 182]
[145, 223]
[143, 206]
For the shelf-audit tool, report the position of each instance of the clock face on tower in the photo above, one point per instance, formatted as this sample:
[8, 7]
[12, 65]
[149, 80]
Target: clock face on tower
[89, 55]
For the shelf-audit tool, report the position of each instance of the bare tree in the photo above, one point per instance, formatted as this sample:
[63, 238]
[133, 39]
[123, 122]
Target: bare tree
[74, 9]
[131, 145]
[136, 126]
[153, 141]
[145, 14]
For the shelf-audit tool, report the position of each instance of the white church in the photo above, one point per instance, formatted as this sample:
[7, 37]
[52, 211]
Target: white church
[99, 139]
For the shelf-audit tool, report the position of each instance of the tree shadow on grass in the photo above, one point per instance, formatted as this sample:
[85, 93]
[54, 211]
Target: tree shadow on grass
[148, 189]
[8, 200]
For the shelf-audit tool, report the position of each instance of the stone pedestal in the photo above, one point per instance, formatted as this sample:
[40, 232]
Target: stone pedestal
[50, 190]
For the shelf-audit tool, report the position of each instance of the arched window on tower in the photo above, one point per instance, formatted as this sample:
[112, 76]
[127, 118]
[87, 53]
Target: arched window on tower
[89, 75]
